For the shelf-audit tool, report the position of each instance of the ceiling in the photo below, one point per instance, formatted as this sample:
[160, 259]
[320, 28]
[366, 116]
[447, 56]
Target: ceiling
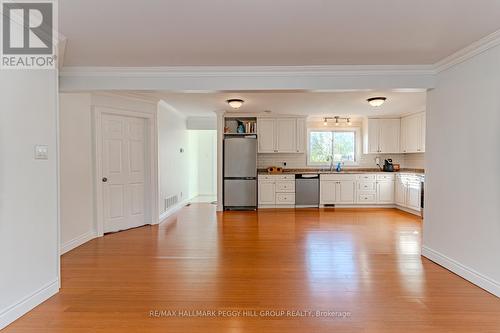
[315, 104]
[264, 32]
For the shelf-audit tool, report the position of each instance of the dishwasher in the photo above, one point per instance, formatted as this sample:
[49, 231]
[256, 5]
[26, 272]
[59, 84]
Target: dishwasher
[306, 190]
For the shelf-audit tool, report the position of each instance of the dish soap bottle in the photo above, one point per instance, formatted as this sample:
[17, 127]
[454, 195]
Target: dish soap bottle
[339, 167]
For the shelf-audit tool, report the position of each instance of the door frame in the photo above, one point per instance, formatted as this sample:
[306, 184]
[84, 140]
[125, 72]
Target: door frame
[151, 215]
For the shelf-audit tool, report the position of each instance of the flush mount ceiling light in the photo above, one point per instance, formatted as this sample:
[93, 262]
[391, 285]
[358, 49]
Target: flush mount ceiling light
[235, 103]
[376, 101]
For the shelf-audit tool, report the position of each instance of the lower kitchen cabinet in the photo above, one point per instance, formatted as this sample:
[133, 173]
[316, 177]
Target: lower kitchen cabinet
[276, 191]
[363, 189]
[327, 191]
[337, 189]
[408, 191]
[385, 191]
[267, 192]
[400, 192]
[413, 199]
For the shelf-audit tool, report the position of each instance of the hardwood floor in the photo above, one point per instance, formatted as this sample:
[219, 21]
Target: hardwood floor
[363, 264]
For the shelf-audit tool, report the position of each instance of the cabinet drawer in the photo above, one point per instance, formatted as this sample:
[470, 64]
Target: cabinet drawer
[276, 177]
[285, 177]
[367, 186]
[337, 177]
[385, 177]
[366, 198]
[367, 177]
[285, 186]
[285, 198]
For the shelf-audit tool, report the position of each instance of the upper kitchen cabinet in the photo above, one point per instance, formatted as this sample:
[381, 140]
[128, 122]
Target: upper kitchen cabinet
[413, 133]
[381, 136]
[281, 135]
[266, 135]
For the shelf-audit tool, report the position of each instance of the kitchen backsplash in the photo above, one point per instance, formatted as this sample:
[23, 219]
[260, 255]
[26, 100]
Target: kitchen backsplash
[415, 161]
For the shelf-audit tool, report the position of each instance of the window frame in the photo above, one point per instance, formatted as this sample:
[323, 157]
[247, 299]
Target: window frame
[357, 144]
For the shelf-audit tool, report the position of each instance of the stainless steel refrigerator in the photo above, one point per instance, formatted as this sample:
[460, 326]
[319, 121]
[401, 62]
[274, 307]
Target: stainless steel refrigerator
[240, 172]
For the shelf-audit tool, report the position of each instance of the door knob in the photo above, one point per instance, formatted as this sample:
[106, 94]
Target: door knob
[104, 179]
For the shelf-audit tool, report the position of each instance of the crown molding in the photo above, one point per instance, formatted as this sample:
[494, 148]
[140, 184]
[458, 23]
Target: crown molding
[468, 52]
[219, 78]
[248, 71]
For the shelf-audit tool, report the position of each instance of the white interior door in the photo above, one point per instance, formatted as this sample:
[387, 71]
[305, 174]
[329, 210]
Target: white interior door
[123, 172]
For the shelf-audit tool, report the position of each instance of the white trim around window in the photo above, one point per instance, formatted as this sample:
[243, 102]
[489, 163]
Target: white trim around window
[357, 144]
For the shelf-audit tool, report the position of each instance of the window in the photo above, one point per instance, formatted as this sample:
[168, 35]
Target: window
[325, 144]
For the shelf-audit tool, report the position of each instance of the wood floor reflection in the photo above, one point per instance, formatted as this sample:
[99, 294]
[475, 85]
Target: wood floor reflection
[362, 268]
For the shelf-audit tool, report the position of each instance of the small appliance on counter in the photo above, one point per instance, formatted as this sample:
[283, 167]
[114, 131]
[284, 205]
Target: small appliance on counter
[388, 166]
[274, 170]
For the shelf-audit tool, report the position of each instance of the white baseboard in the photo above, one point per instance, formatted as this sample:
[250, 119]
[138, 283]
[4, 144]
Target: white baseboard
[77, 241]
[467, 273]
[10, 314]
[409, 210]
[165, 215]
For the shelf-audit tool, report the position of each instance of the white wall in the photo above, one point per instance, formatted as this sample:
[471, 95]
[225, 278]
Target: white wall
[462, 214]
[202, 123]
[77, 200]
[207, 162]
[193, 152]
[29, 243]
[78, 223]
[175, 176]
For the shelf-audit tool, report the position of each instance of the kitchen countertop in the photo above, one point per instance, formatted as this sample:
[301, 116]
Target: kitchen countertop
[345, 171]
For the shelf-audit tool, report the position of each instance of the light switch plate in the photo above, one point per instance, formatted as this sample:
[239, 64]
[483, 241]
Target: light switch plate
[41, 152]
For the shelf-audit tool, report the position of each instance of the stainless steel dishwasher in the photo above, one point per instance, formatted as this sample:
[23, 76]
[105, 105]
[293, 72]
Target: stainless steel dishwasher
[306, 190]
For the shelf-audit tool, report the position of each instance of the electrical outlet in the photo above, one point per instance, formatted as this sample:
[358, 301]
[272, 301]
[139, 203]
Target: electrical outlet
[41, 152]
[377, 160]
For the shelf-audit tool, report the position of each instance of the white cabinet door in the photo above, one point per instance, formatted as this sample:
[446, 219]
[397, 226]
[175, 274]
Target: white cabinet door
[413, 195]
[385, 192]
[266, 135]
[301, 136]
[327, 189]
[389, 135]
[373, 135]
[286, 129]
[403, 134]
[345, 192]
[267, 192]
[422, 132]
[400, 192]
[413, 134]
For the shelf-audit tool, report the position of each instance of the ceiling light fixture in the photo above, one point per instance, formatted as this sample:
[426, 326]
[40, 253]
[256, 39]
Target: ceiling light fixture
[338, 120]
[376, 101]
[235, 103]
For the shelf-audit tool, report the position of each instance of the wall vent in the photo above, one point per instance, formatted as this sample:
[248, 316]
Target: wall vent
[171, 201]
